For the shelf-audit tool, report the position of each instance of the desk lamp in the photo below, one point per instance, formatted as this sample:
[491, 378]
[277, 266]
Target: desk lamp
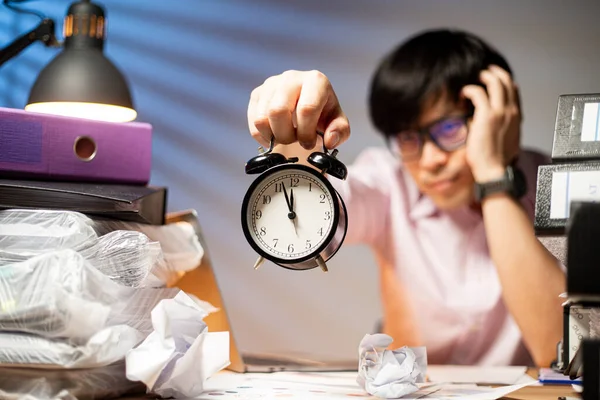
[80, 81]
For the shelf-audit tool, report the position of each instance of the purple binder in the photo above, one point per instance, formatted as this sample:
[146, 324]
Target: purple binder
[49, 147]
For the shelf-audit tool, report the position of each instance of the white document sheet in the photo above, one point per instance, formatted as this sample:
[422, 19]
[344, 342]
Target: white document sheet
[338, 385]
[508, 375]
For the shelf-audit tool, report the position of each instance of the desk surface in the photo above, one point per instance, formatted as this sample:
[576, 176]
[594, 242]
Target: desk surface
[542, 392]
[548, 392]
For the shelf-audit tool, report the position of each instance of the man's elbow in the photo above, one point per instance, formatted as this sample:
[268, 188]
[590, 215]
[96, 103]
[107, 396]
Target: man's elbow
[544, 356]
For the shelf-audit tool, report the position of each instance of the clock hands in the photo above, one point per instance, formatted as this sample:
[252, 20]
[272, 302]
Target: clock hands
[291, 214]
[290, 204]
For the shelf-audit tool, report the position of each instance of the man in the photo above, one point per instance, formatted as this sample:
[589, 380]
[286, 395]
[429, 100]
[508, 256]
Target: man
[462, 274]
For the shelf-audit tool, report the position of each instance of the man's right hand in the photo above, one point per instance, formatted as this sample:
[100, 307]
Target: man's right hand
[292, 106]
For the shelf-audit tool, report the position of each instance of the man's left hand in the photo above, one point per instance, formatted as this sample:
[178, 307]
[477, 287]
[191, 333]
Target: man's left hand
[494, 133]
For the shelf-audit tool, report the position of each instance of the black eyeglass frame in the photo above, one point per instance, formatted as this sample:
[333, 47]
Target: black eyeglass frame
[424, 133]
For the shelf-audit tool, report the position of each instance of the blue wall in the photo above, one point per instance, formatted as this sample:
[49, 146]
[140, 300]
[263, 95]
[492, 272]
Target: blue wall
[192, 65]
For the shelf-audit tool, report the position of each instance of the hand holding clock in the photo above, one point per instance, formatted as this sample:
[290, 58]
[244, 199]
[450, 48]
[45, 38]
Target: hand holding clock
[293, 106]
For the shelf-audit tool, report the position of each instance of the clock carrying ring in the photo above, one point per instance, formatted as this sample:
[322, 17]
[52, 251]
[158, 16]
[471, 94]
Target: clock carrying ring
[322, 160]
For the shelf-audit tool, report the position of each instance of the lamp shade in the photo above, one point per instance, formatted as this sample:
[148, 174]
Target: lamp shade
[81, 81]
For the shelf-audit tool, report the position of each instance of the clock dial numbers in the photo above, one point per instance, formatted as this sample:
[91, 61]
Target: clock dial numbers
[291, 214]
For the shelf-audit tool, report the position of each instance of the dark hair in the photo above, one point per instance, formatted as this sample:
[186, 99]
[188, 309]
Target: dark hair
[428, 64]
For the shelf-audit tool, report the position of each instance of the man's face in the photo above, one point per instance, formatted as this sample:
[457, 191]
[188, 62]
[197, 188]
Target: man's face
[444, 176]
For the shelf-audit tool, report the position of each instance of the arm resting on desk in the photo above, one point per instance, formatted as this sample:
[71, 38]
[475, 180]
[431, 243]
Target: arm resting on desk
[530, 276]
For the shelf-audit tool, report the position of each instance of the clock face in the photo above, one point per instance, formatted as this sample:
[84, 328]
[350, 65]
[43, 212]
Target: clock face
[291, 213]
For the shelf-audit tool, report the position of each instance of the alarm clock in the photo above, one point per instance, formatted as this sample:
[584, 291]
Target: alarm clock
[291, 214]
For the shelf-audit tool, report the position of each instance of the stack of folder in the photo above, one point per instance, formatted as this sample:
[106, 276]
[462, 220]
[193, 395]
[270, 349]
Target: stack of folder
[61, 180]
[574, 174]
[564, 221]
[62, 163]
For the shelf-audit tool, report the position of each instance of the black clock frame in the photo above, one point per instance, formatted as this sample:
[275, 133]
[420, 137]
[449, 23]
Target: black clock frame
[330, 245]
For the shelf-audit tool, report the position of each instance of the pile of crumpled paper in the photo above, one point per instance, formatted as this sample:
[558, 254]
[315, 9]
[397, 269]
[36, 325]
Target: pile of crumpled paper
[85, 309]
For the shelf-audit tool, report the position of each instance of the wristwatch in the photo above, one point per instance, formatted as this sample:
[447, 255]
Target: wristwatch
[513, 182]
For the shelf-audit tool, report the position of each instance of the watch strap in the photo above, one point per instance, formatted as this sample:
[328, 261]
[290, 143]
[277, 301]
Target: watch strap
[512, 182]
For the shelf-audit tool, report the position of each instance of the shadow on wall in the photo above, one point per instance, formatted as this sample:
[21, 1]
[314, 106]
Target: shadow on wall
[191, 67]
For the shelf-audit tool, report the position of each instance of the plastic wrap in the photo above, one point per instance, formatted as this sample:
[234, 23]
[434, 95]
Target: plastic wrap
[140, 255]
[58, 294]
[127, 257]
[179, 242]
[138, 310]
[31, 232]
[99, 383]
[106, 347]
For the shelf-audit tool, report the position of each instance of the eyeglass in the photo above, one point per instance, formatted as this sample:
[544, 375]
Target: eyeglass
[447, 133]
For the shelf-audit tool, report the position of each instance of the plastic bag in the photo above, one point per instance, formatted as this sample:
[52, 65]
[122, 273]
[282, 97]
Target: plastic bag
[106, 347]
[58, 294]
[137, 312]
[179, 242]
[127, 257]
[25, 233]
[97, 383]
[31, 232]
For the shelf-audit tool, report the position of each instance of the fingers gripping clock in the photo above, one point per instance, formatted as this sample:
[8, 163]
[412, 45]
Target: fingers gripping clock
[291, 214]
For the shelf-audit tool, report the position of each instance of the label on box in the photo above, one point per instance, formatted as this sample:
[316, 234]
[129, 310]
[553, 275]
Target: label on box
[577, 127]
[568, 186]
[590, 124]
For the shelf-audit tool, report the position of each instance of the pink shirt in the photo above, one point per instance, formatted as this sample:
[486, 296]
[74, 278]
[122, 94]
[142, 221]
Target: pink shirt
[440, 257]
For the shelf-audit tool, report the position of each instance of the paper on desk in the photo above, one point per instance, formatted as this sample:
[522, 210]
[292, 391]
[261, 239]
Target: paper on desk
[502, 375]
[464, 392]
[389, 373]
[177, 358]
[331, 385]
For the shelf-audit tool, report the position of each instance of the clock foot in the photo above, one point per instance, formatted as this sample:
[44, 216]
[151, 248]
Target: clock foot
[259, 262]
[321, 263]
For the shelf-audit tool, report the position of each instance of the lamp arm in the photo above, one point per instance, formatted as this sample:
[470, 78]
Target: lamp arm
[44, 32]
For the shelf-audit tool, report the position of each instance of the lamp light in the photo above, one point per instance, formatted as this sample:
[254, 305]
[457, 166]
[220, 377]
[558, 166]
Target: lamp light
[80, 81]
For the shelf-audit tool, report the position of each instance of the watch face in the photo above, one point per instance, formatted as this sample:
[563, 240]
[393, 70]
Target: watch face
[290, 213]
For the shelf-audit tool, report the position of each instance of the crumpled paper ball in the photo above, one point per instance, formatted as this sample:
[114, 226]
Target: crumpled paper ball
[389, 373]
